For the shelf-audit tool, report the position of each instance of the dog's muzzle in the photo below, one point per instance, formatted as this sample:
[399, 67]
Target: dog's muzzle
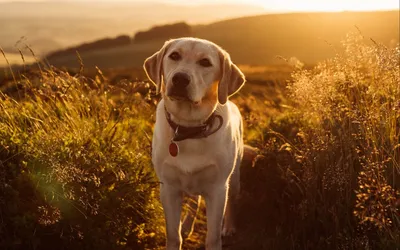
[180, 81]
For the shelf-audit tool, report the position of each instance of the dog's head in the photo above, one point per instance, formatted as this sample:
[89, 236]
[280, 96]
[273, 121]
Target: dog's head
[193, 75]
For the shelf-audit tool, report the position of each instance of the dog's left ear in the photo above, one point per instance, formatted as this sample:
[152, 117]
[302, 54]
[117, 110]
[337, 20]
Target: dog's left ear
[153, 66]
[232, 78]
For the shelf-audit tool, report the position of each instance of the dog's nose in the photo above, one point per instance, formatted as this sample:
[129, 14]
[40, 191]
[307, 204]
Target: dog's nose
[180, 80]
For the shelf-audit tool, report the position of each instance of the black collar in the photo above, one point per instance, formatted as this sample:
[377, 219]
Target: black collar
[202, 131]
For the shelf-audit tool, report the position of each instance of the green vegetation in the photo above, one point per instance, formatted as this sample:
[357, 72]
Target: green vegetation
[75, 168]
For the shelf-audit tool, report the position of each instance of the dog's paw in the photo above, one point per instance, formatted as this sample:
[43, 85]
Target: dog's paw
[228, 234]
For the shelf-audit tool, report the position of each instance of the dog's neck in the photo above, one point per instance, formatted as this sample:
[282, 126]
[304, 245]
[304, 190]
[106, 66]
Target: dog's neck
[207, 128]
[189, 116]
[188, 122]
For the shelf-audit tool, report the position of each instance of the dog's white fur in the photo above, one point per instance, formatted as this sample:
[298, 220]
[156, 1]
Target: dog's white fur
[207, 166]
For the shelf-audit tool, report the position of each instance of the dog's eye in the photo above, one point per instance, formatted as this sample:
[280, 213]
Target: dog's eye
[205, 62]
[175, 56]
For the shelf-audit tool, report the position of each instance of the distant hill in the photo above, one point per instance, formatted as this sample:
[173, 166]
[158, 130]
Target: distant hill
[54, 25]
[258, 40]
[157, 33]
[102, 44]
[164, 32]
[308, 36]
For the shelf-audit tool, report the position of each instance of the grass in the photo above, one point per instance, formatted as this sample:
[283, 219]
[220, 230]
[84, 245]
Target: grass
[76, 170]
[76, 166]
[328, 177]
[354, 114]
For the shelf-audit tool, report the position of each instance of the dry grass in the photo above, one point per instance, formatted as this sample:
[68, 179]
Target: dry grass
[351, 104]
[328, 176]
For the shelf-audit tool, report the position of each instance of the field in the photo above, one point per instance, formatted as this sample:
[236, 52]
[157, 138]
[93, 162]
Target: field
[76, 171]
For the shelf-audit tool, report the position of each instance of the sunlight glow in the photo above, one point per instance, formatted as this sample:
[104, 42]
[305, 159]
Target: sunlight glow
[328, 5]
[303, 5]
[269, 5]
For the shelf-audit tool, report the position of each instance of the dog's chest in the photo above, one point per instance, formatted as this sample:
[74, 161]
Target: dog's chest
[195, 183]
[199, 165]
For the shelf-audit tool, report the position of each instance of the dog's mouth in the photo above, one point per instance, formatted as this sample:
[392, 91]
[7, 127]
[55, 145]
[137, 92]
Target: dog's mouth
[183, 99]
[179, 98]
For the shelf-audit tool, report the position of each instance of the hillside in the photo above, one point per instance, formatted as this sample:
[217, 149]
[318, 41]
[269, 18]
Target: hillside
[258, 40]
[307, 36]
[53, 25]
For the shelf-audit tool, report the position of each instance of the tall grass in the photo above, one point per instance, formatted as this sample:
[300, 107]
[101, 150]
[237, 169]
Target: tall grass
[352, 102]
[328, 175]
[75, 165]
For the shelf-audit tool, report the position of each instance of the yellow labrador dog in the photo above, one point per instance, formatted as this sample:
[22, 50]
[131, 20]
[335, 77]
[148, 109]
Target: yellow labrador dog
[197, 141]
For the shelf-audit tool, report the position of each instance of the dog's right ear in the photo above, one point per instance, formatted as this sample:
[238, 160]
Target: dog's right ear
[153, 66]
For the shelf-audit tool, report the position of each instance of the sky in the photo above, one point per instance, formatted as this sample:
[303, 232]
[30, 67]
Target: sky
[289, 5]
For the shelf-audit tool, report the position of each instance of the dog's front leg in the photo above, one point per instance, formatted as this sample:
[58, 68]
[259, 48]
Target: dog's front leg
[171, 199]
[215, 207]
